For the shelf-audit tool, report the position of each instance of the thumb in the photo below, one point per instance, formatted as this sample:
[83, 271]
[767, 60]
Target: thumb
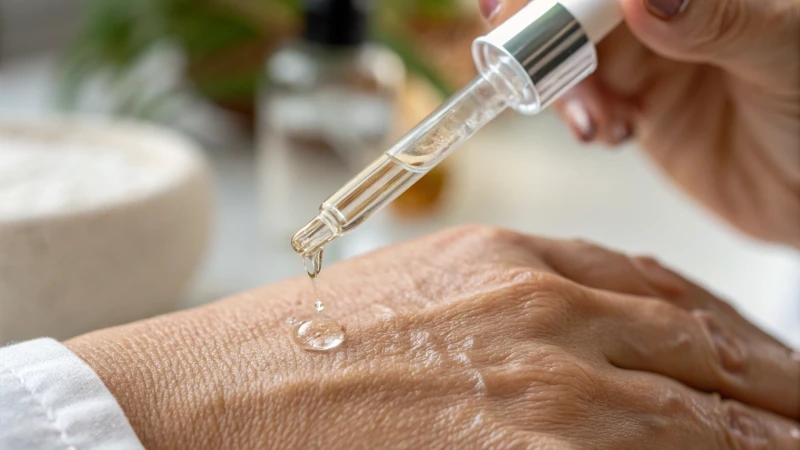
[749, 37]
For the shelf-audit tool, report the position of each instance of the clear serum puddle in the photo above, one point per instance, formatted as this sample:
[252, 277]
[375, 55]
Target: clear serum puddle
[317, 332]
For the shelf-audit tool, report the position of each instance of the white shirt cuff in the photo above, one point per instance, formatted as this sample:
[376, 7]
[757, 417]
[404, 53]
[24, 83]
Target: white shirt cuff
[50, 399]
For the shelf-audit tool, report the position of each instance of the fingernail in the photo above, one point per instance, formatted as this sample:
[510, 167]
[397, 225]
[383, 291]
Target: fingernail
[621, 132]
[662, 279]
[490, 8]
[580, 121]
[665, 9]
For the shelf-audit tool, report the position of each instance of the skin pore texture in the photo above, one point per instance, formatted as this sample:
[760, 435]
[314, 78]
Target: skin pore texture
[470, 338]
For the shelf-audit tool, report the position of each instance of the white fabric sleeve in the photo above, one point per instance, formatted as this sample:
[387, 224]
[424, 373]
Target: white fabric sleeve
[51, 399]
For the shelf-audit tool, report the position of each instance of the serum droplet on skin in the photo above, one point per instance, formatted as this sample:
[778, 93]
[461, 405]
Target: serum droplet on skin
[318, 333]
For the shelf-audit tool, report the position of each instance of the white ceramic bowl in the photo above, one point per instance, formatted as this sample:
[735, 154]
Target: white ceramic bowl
[101, 223]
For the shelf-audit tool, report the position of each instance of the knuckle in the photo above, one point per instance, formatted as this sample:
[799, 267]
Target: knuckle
[594, 254]
[487, 239]
[524, 279]
[728, 349]
[664, 409]
[542, 299]
[667, 330]
[558, 378]
[672, 403]
[527, 281]
[585, 382]
[579, 302]
[740, 428]
[543, 374]
[590, 261]
[585, 245]
[485, 232]
[537, 281]
[508, 380]
[669, 284]
[547, 291]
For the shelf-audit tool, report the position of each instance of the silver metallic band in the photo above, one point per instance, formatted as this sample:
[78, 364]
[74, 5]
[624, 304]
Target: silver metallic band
[552, 48]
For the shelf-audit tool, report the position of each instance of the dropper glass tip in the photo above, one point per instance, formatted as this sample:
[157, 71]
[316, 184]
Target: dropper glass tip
[313, 237]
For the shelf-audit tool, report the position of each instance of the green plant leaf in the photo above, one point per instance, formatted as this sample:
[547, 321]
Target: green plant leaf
[115, 36]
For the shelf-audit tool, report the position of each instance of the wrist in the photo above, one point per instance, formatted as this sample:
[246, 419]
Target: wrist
[180, 377]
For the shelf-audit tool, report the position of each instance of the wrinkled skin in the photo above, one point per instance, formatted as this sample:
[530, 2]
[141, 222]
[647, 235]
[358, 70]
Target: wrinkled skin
[712, 95]
[470, 338]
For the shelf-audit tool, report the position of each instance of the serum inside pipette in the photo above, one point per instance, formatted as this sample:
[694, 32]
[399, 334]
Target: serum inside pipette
[317, 332]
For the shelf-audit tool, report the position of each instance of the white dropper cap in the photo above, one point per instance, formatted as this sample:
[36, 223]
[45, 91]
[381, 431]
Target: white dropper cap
[597, 17]
[546, 48]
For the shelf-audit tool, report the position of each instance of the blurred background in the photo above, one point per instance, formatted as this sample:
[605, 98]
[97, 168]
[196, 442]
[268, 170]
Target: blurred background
[159, 154]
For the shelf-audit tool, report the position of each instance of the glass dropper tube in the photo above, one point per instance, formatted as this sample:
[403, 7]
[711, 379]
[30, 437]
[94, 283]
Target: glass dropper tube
[406, 162]
[526, 64]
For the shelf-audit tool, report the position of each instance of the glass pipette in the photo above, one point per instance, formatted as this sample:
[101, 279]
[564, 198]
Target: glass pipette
[525, 64]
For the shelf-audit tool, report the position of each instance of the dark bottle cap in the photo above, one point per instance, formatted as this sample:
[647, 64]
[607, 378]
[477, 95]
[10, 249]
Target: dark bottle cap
[337, 22]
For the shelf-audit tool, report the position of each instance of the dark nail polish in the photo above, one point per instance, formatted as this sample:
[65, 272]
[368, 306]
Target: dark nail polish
[621, 132]
[665, 9]
[629, 133]
[580, 121]
[489, 8]
[587, 134]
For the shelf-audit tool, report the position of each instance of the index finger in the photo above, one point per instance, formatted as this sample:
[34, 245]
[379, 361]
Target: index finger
[497, 11]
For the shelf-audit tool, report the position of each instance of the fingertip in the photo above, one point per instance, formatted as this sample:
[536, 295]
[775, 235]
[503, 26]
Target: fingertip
[646, 26]
[498, 11]
[677, 29]
[635, 11]
[665, 9]
[621, 132]
[490, 8]
[596, 114]
[579, 119]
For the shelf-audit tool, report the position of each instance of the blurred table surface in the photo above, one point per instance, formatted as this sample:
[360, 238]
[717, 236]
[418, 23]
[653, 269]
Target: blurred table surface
[524, 173]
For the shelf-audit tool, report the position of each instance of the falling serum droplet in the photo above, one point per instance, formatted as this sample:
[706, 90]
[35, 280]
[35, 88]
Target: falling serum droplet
[318, 304]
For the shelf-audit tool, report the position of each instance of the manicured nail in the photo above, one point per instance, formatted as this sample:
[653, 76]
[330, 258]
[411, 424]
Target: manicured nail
[579, 120]
[490, 8]
[621, 132]
[665, 9]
